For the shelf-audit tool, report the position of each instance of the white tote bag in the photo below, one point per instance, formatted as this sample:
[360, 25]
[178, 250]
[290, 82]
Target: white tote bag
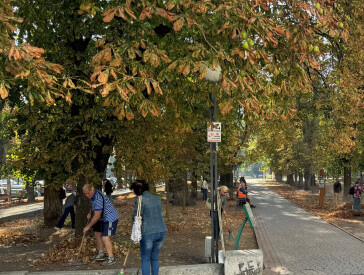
[136, 233]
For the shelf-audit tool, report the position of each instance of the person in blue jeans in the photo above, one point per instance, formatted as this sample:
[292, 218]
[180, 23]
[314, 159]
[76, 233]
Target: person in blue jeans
[69, 208]
[153, 227]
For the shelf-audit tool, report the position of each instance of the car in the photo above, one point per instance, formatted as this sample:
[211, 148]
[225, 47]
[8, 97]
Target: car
[18, 191]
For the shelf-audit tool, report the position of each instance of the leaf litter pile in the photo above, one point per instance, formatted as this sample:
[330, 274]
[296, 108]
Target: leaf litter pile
[184, 242]
[309, 201]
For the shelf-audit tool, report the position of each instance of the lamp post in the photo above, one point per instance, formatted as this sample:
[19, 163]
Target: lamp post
[213, 76]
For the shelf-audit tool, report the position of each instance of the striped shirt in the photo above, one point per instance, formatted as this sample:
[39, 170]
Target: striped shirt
[100, 201]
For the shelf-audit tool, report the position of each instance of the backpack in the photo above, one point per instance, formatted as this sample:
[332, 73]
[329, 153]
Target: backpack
[351, 190]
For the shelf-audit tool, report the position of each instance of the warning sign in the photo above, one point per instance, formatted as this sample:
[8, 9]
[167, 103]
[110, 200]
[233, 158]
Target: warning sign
[214, 133]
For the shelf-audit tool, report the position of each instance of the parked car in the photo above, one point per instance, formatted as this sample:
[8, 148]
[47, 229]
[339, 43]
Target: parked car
[3, 194]
[18, 191]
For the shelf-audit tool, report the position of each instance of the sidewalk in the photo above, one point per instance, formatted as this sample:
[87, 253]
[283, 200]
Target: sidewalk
[21, 211]
[35, 209]
[296, 242]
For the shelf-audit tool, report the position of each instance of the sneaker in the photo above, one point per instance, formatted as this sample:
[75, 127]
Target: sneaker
[109, 261]
[98, 257]
[57, 228]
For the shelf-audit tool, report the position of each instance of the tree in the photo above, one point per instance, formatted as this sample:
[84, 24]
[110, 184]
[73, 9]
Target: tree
[122, 60]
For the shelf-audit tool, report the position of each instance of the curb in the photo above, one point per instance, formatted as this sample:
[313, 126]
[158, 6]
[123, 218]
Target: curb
[30, 214]
[199, 269]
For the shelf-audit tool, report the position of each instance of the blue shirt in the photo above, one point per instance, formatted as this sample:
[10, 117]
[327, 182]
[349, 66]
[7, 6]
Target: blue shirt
[100, 201]
[151, 212]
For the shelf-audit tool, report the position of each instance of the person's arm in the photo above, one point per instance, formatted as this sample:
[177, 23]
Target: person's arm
[242, 189]
[95, 218]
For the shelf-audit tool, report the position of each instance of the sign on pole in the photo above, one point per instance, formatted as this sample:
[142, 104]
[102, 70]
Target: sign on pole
[214, 133]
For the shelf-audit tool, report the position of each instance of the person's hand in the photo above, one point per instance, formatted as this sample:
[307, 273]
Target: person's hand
[87, 228]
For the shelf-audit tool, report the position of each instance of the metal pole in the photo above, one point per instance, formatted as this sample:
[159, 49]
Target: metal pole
[216, 208]
[212, 184]
[213, 175]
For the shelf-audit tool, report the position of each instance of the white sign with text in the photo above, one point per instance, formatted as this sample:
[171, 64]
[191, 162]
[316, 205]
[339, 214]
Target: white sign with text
[214, 132]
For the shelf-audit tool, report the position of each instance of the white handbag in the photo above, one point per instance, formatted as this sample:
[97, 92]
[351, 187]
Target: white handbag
[136, 233]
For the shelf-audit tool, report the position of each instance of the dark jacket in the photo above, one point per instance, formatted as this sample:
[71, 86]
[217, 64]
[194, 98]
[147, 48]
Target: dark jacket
[337, 187]
[108, 188]
[70, 201]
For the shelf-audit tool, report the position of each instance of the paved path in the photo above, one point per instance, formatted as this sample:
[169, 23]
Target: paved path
[35, 209]
[296, 242]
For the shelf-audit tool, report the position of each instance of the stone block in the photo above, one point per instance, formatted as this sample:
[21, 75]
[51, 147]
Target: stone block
[243, 262]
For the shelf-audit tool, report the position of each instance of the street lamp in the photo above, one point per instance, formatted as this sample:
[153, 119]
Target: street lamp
[213, 76]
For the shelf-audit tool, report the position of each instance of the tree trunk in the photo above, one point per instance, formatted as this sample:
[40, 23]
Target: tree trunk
[83, 206]
[347, 183]
[307, 176]
[228, 180]
[290, 180]
[52, 206]
[8, 189]
[296, 179]
[180, 194]
[194, 185]
[168, 198]
[30, 192]
[279, 177]
[300, 180]
[313, 180]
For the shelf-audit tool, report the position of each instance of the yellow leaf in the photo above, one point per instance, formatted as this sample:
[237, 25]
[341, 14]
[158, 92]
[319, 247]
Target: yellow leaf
[129, 116]
[186, 69]
[68, 98]
[103, 77]
[156, 87]
[49, 99]
[71, 84]
[112, 72]
[170, 5]
[131, 88]
[3, 91]
[149, 89]
[130, 12]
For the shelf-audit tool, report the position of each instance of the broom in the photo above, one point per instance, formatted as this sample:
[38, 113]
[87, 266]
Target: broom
[121, 272]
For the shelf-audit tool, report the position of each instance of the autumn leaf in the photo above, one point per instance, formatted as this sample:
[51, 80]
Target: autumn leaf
[131, 88]
[129, 116]
[3, 91]
[154, 60]
[170, 5]
[156, 87]
[226, 106]
[109, 15]
[149, 88]
[103, 77]
[68, 98]
[177, 25]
